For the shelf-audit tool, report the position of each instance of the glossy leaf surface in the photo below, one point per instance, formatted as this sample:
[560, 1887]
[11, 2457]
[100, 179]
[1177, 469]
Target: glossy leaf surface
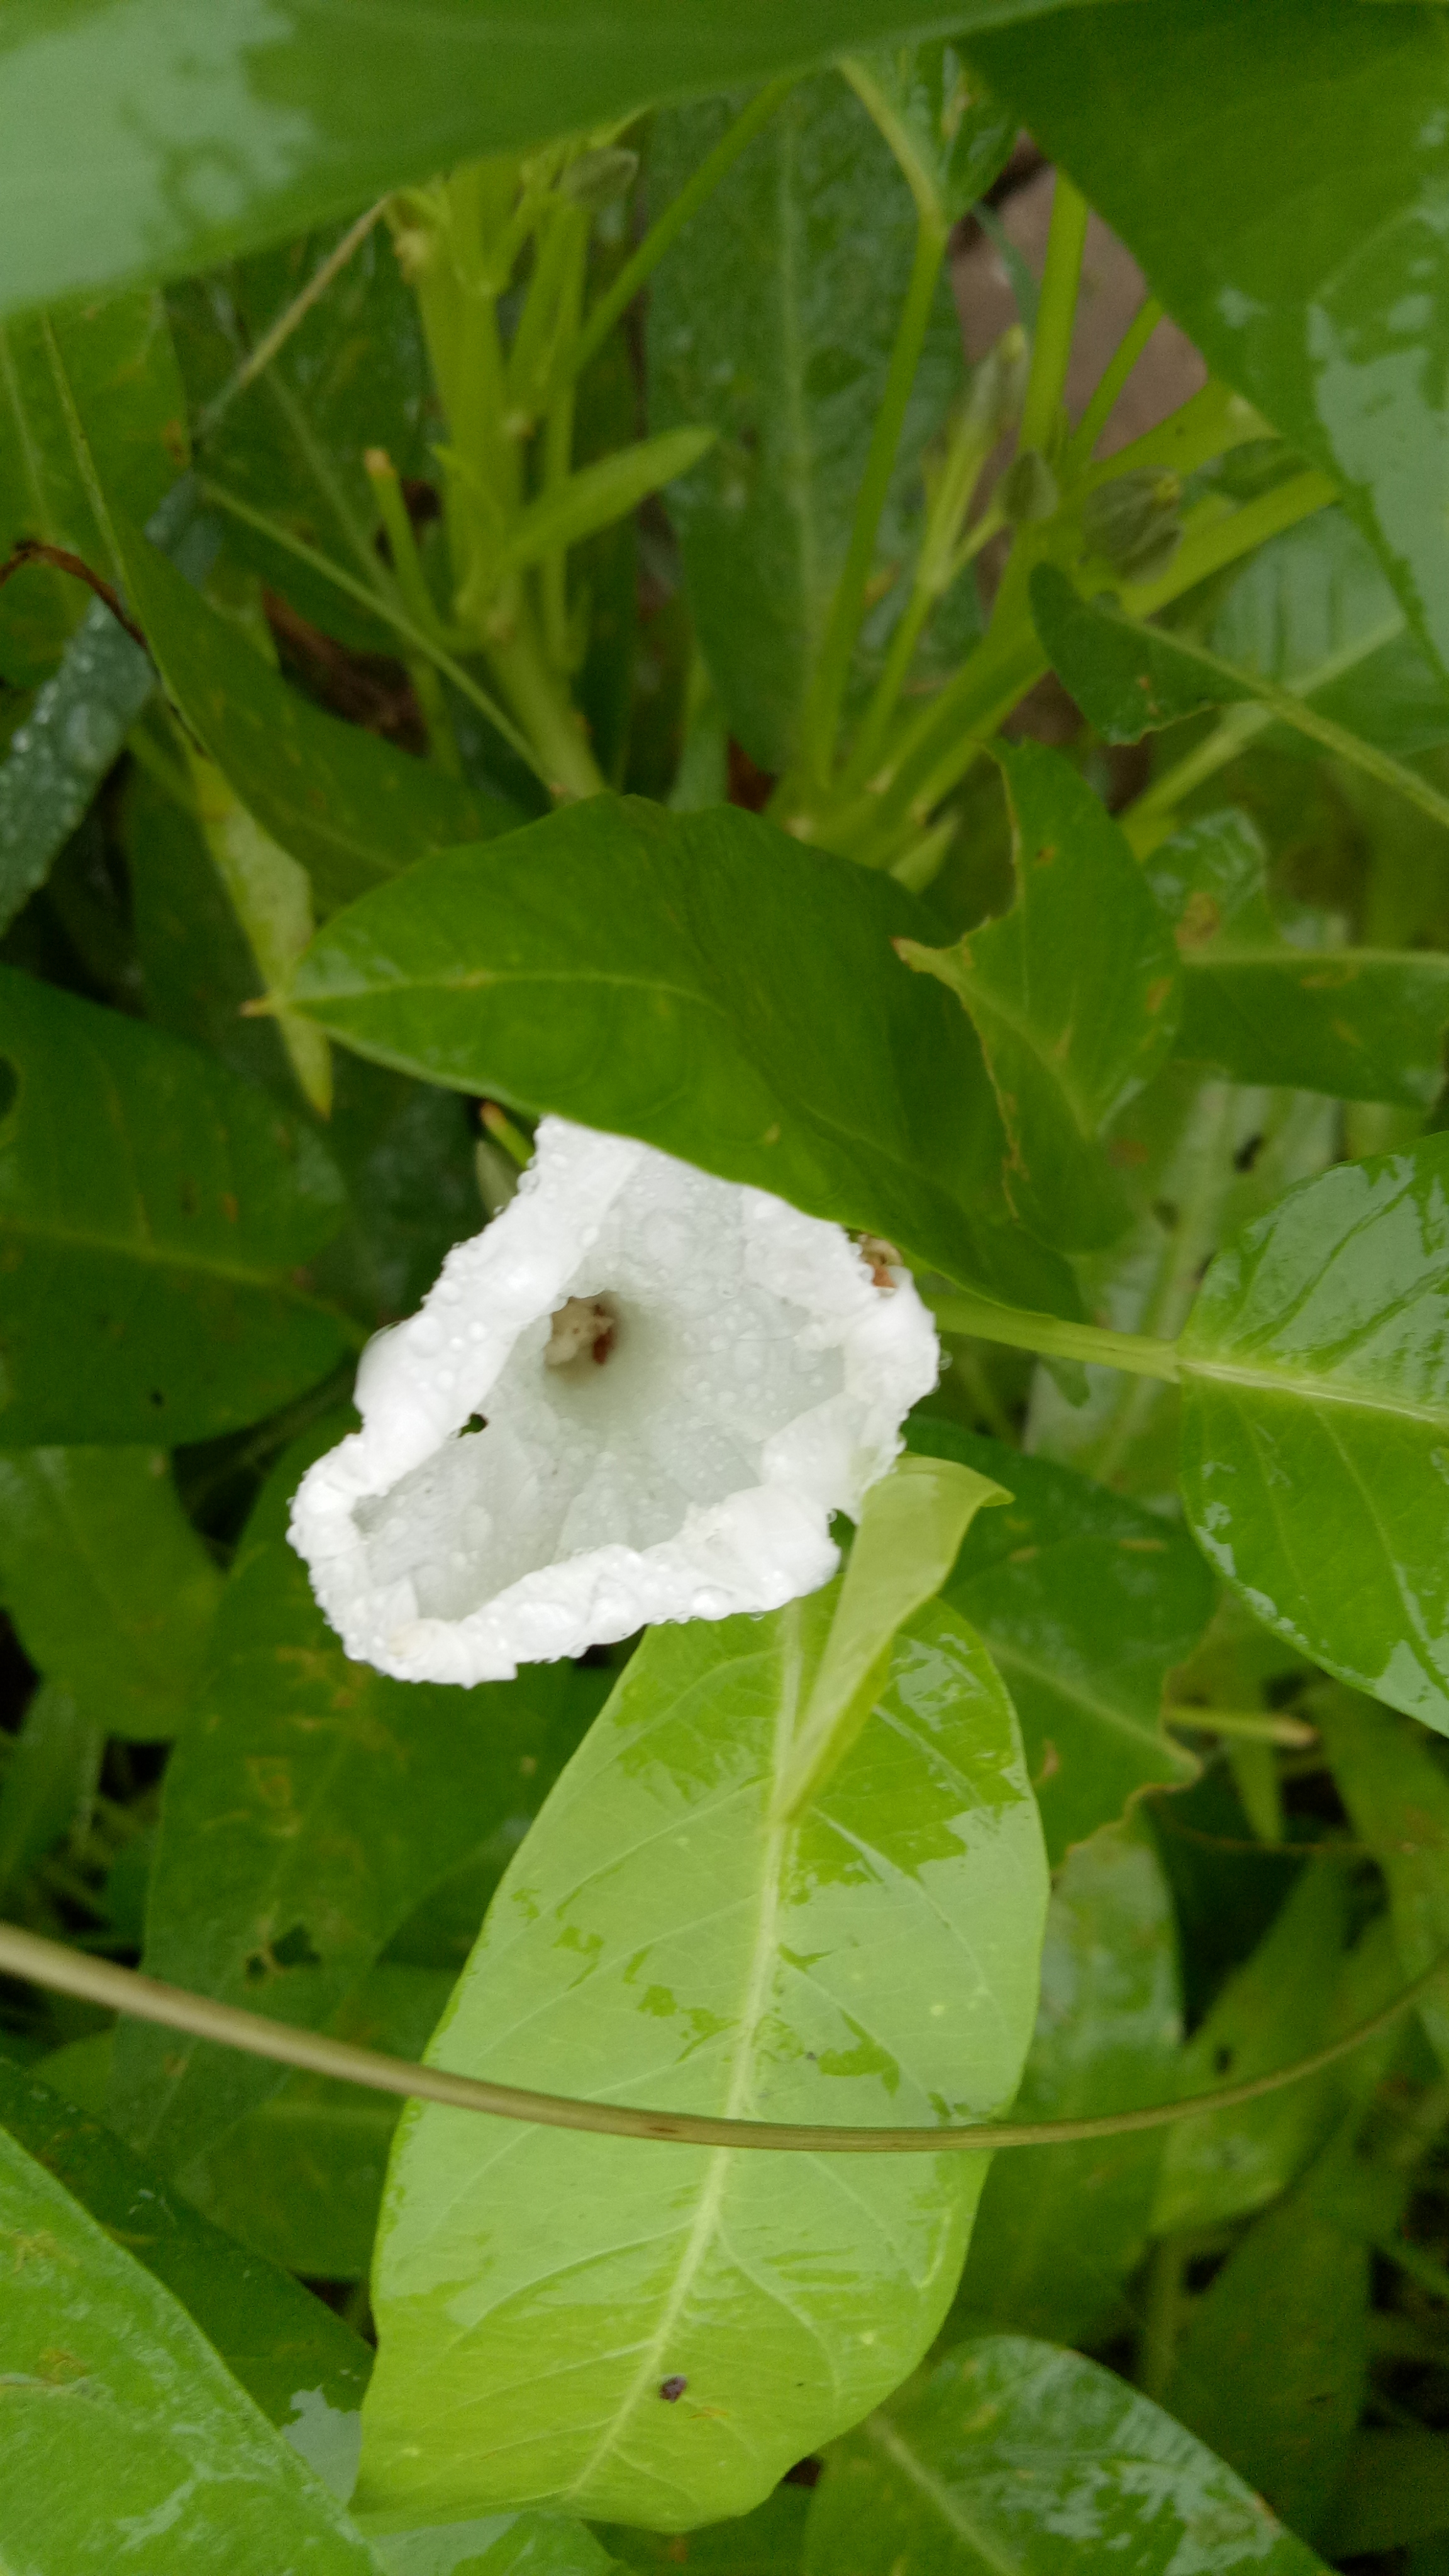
[309, 118]
[1316, 1398]
[1356, 1023]
[1050, 2252]
[1013, 2456]
[1074, 996]
[641, 972]
[120, 2418]
[109, 1588]
[310, 1808]
[1279, 175]
[301, 2365]
[1275, 2009]
[772, 320]
[350, 807]
[657, 2336]
[1086, 1603]
[153, 1212]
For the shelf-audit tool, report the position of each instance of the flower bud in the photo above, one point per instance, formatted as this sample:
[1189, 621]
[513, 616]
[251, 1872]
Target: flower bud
[1134, 522]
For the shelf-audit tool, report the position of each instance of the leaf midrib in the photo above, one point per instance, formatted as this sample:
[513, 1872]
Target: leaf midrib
[1310, 1390]
[157, 1256]
[943, 2499]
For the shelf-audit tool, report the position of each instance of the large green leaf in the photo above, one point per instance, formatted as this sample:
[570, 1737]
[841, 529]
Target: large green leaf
[1273, 2368]
[1356, 1023]
[657, 2333]
[349, 806]
[154, 1212]
[120, 2425]
[1056, 2237]
[1393, 1785]
[772, 319]
[497, 2544]
[1074, 996]
[767, 2542]
[310, 1807]
[109, 1588]
[303, 2367]
[134, 139]
[1280, 173]
[1014, 2459]
[1315, 1404]
[116, 358]
[1224, 2164]
[1086, 1602]
[709, 984]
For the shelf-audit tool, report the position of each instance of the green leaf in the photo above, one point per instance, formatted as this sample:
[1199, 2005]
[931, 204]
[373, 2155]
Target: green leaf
[310, 1807]
[49, 1779]
[1224, 2164]
[110, 1590]
[767, 2542]
[120, 2421]
[300, 2364]
[1273, 2369]
[1086, 1602]
[501, 2544]
[951, 136]
[1108, 2031]
[1074, 996]
[1315, 1403]
[1279, 175]
[772, 320]
[311, 118]
[1395, 2489]
[598, 494]
[350, 807]
[1397, 1798]
[153, 1213]
[1010, 2455]
[655, 1941]
[118, 361]
[641, 972]
[1356, 1023]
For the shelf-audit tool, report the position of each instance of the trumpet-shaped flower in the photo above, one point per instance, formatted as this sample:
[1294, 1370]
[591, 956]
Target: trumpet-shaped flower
[638, 1395]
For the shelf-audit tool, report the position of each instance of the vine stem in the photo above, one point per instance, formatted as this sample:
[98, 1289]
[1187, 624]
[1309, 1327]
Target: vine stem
[71, 1972]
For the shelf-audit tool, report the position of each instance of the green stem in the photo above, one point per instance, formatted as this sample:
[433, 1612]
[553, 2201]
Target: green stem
[560, 747]
[1052, 1336]
[69, 1972]
[617, 299]
[417, 600]
[278, 333]
[827, 694]
[1249, 1726]
[1113, 377]
[1161, 2308]
[1055, 318]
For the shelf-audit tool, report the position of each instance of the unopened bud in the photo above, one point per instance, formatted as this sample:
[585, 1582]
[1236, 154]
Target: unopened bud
[599, 178]
[998, 387]
[1133, 522]
[1029, 490]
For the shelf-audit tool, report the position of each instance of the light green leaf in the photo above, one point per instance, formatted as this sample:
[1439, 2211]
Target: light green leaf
[598, 494]
[500, 2544]
[658, 2334]
[110, 1590]
[1276, 2008]
[154, 1212]
[1315, 1407]
[1086, 1602]
[1057, 2236]
[1356, 1023]
[1011, 2458]
[1397, 1797]
[641, 972]
[271, 896]
[1074, 995]
[120, 2423]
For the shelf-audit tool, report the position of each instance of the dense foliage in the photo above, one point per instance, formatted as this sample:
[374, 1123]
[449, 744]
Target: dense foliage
[514, 605]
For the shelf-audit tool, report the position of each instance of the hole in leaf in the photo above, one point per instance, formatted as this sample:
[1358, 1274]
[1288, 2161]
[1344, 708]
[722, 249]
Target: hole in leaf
[295, 1949]
[1247, 1155]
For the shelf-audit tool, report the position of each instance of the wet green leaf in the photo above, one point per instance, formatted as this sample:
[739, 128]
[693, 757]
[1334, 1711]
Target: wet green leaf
[1086, 1602]
[301, 2365]
[311, 1807]
[1074, 996]
[109, 1588]
[1357, 1023]
[771, 319]
[1315, 1403]
[1012, 2456]
[1397, 1796]
[1273, 2368]
[120, 2419]
[640, 971]
[1280, 175]
[656, 1942]
[350, 807]
[1056, 2238]
[153, 1212]
[309, 119]
[1275, 2009]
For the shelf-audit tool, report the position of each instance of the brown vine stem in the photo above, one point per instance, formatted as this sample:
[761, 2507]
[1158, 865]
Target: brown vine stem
[31, 550]
[71, 1972]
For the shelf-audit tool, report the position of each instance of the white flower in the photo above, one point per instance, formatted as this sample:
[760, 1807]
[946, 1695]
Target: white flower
[638, 1395]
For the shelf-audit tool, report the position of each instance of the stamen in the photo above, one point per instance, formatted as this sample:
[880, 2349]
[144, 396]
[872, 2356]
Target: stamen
[581, 1324]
